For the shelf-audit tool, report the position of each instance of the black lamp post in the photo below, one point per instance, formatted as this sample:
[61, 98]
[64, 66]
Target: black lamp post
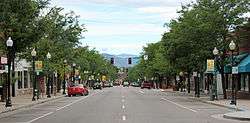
[74, 72]
[64, 81]
[181, 80]
[48, 83]
[214, 85]
[232, 47]
[33, 54]
[9, 44]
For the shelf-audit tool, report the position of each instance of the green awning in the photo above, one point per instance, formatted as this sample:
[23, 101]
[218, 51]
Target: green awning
[237, 60]
[244, 66]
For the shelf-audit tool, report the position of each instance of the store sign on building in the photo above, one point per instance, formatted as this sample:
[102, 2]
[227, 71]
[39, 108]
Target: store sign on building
[3, 60]
[235, 70]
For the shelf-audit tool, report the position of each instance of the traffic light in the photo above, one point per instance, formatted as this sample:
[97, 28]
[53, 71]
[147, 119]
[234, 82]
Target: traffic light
[112, 60]
[129, 60]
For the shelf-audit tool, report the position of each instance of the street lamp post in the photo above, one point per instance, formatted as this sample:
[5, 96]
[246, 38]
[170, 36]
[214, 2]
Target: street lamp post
[74, 67]
[232, 47]
[48, 83]
[214, 85]
[9, 44]
[53, 90]
[33, 54]
[181, 80]
[64, 81]
[145, 57]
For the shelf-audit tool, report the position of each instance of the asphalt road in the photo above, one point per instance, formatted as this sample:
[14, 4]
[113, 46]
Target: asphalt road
[121, 105]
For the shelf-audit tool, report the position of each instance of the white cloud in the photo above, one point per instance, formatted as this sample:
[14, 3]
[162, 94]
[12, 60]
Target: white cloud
[110, 23]
[123, 29]
[128, 3]
[118, 48]
[157, 9]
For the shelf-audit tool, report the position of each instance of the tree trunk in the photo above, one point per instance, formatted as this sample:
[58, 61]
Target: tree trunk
[189, 82]
[176, 83]
[4, 79]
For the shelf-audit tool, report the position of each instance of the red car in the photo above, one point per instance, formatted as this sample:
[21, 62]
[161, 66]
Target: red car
[78, 89]
[146, 84]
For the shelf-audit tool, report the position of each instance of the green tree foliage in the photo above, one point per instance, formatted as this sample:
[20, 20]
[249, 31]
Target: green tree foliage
[201, 26]
[20, 19]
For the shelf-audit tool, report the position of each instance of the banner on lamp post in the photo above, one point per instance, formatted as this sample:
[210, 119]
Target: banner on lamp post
[104, 78]
[39, 66]
[210, 65]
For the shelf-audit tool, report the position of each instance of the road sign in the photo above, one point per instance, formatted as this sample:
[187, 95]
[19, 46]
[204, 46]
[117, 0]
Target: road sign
[3, 60]
[38, 65]
[210, 65]
[235, 70]
[195, 74]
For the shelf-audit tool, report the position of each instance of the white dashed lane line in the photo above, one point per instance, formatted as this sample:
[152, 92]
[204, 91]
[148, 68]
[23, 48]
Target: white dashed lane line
[40, 117]
[123, 117]
[61, 108]
[141, 92]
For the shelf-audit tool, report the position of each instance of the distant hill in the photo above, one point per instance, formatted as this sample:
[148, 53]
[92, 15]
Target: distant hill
[121, 60]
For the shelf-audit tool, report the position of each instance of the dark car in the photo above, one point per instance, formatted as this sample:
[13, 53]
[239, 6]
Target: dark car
[146, 84]
[77, 89]
[97, 85]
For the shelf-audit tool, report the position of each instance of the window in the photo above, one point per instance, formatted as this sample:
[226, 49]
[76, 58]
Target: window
[25, 79]
[19, 79]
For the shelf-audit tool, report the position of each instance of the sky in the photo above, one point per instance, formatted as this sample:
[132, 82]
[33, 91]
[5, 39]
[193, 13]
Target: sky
[122, 26]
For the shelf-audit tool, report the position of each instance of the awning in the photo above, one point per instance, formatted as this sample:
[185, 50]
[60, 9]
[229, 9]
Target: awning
[237, 61]
[244, 65]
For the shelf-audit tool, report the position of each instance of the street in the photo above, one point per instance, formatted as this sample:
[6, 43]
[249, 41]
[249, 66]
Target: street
[121, 105]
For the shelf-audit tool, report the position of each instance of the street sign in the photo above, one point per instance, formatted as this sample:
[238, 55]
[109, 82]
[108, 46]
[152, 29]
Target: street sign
[210, 65]
[235, 70]
[195, 74]
[177, 78]
[3, 60]
[38, 65]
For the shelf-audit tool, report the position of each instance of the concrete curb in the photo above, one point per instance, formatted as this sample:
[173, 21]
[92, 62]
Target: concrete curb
[241, 115]
[31, 104]
[220, 105]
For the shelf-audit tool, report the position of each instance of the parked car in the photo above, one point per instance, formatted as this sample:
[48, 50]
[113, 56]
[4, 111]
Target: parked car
[135, 84]
[106, 84]
[146, 84]
[97, 85]
[110, 84]
[77, 89]
[116, 83]
[125, 84]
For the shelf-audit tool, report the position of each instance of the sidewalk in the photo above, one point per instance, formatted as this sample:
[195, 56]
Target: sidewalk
[240, 112]
[24, 101]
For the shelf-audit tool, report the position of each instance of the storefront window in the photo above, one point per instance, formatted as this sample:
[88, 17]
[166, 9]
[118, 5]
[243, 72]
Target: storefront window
[20, 80]
[25, 79]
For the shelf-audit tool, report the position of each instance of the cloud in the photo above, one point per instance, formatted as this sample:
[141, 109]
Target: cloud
[119, 48]
[127, 3]
[122, 26]
[124, 29]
